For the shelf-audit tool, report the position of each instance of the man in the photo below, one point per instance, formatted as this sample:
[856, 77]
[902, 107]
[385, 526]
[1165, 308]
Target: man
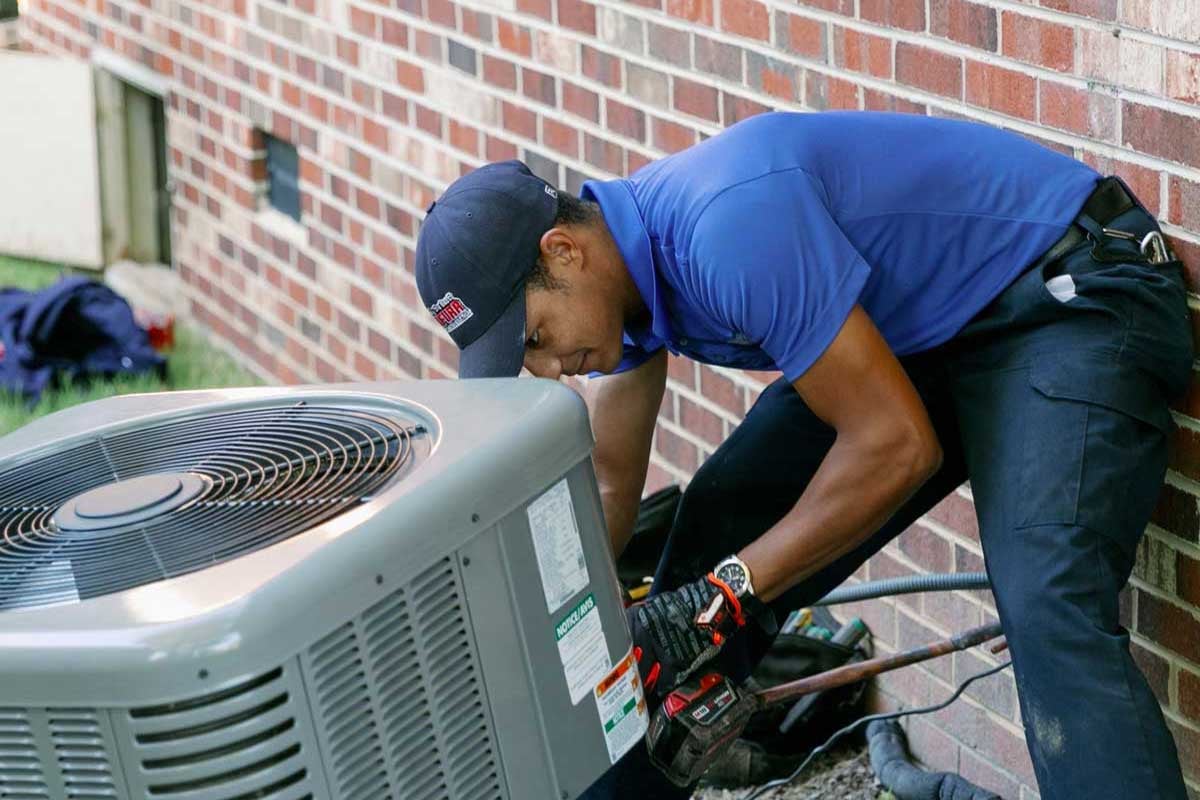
[945, 301]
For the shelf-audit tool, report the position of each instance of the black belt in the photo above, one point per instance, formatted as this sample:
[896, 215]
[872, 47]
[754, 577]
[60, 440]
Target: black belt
[1110, 199]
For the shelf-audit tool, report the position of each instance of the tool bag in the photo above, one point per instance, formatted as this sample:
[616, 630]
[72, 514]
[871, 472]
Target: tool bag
[77, 329]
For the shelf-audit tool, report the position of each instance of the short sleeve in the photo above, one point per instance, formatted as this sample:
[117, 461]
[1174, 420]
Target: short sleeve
[772, 264]
[632, 356]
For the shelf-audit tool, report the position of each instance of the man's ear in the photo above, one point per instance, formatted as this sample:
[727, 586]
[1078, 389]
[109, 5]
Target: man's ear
[560, 249]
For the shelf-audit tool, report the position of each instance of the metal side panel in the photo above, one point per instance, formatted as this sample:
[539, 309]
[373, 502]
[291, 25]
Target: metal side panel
[399, 701]
[55, 753]
[551, 747]
[249, 738]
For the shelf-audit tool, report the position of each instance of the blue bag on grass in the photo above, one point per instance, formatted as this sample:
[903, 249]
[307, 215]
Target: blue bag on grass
[78, 329]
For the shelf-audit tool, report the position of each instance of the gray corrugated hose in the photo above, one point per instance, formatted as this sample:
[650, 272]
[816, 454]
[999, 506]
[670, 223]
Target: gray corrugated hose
[889, 760]
[938, 582]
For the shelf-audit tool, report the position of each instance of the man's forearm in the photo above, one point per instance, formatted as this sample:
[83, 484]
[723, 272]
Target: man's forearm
[620, 504]
[853, 493]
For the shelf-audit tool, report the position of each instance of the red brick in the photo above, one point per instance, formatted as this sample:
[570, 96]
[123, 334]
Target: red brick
[1184, 204]
[538, 86]
[514, 38]
[801, 35]
[1159, 132]
[1177, 512]
[540, 8]
[1004, 90]
[697, 11]
[464, 137]
[746, 18]
[700, 422]
[720, 390]
[1088, 113]
[1103, 10]
[906, 14]
[440, 12]
[824, 92]
[736, 108]
[560, 137]
[697, 99]
[1038, 41]
[964, 21]
[375, 134]
[879, 101]
[395, 33]
[625, 120]
[929, 70]
[519, 120]
[1189, 694]
[1169, 625]
[926, 548]
[676, 450]
[979, 770]
[601, 66]
[410, 76]
[1183, 76]
[577, 15]
[580, 102]
[681, 371]
[602, 153]
[671, 136]
[500, 73]
[1156, 669]
[862, 52]
[363, 22]
[1144, 181]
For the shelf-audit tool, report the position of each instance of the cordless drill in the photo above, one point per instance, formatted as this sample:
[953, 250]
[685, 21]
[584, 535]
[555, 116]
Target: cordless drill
[704, 714]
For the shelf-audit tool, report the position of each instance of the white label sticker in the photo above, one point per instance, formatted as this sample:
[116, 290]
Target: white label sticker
[582, 648]
[557, 544]
[622, 707]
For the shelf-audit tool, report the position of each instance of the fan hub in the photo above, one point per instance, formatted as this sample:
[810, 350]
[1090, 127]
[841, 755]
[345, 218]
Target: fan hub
[127, 502]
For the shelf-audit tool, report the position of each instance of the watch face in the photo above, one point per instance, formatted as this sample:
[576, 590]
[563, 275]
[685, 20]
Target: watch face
[734, 576]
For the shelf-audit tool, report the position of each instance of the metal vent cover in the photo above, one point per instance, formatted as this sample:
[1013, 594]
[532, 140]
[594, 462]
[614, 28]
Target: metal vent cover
[248, 740]
[399, 702]
[125, 509]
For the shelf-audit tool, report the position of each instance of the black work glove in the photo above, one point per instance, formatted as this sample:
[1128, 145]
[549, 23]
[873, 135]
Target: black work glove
[677, 632]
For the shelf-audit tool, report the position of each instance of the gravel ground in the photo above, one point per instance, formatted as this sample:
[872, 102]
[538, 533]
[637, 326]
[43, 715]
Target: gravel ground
[841, 775]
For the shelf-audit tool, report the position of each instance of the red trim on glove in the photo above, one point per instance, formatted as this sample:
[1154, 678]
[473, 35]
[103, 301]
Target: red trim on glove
[734, 603]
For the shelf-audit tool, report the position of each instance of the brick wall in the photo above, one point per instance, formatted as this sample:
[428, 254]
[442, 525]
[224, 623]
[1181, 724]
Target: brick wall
[389, 100]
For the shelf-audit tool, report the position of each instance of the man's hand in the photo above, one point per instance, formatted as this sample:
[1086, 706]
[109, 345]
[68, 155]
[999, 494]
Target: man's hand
[677, 632]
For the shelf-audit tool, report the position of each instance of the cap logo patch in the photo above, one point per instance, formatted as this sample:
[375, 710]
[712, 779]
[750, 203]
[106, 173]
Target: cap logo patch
[450, 312]
[550, 191]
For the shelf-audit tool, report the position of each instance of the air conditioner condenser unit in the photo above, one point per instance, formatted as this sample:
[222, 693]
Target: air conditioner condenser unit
[389, 590]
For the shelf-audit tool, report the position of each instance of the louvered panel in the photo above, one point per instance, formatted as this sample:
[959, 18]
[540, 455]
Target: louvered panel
[84, 750]
[21, 775]
[399, 699]
[452, 672]
[346, 724]
[247, 740]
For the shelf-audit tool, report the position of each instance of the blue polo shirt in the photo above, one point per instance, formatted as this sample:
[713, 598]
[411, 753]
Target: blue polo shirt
[751, 248]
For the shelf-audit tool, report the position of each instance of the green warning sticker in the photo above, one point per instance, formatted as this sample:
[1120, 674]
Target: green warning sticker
[582, 648]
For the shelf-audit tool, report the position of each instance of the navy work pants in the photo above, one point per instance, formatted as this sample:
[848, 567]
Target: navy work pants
[1055, 408]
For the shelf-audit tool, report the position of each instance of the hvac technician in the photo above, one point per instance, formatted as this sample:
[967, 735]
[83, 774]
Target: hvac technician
[945, 301]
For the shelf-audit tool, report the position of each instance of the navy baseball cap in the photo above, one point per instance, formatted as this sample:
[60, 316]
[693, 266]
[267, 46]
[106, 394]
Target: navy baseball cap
[477, 245]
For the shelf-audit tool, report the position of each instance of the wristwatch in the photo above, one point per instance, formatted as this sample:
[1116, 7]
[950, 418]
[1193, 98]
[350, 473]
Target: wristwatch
[736, 575]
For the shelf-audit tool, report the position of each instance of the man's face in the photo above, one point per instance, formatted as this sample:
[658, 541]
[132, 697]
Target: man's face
[575, 327]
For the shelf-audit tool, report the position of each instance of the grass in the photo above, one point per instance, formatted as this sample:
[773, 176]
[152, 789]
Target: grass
[191, 364]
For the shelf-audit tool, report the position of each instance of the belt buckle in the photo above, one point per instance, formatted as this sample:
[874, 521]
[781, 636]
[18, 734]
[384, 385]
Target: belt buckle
[1154, 248]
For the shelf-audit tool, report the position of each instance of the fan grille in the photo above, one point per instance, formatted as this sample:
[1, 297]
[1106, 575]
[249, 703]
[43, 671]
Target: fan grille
[268, 474]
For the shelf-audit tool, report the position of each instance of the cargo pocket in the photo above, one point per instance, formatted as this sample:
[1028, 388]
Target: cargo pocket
[1094, 439]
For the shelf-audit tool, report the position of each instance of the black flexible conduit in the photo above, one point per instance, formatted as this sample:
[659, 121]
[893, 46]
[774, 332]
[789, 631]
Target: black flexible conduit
[889, 760]
[937, 582]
